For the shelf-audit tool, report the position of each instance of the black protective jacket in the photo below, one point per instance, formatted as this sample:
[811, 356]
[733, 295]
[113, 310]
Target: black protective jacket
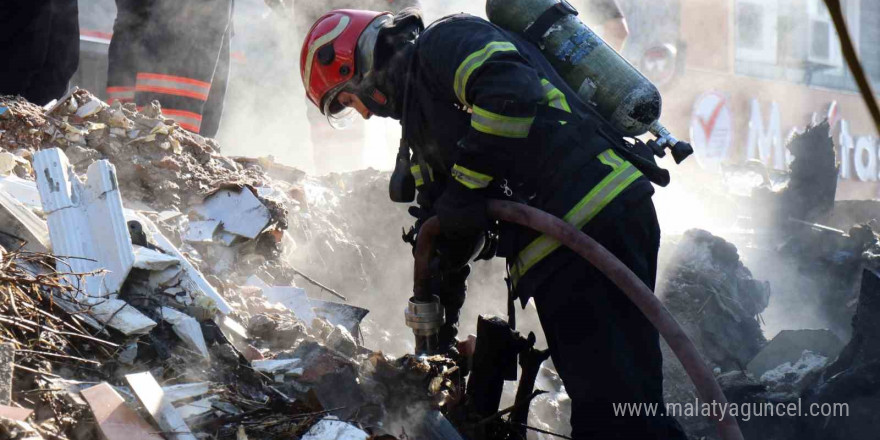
[485, 110]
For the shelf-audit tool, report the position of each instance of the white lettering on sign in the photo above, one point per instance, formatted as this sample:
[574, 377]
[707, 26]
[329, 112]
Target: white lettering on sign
[845, 140]
[858, 156]
[766, 144]
[865, 159]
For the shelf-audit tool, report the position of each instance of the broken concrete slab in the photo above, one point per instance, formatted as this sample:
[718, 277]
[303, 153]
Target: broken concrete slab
[87, 225]
[789, 345]
[7, 357]
[200, 231]
[273, 366]
[187, 329]
[191, 279]
[293, 298]
[240, 212]
[795, 376]
[150, 394]
[89, 108]
[165, 278]
[15, 413]
[19, 221]
[179, 392]
[332, 429]
[114, 418]
[148, 259]
[196, 408]
[234, 332]
[342, 341]
[335, 313]
[85, 221]
[22, 190]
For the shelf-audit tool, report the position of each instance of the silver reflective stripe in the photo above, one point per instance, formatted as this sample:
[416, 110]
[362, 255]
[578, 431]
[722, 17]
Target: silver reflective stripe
[175, 85]
[587, 209]
[500, 125]
[469, 178]
[474, 61]
[188, 120]
[128, 94]
[322, 40]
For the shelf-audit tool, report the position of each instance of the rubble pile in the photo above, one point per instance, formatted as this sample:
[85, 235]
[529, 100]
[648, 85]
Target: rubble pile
[148, 281]
[718, 303]
[716, 298]
[818, 276]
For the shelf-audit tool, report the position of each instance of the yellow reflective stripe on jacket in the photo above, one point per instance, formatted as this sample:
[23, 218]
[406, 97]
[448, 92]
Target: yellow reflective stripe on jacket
[499, 125]
[470, 178]
[416, 171]
[555, 97]
[473, 62]
[623, 174]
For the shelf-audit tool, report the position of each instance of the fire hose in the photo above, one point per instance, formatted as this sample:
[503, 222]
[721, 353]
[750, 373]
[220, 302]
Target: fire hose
[622, 277]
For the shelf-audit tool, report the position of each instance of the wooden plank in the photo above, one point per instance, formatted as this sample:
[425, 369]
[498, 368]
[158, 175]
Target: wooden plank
[116, 420]
[157, 404]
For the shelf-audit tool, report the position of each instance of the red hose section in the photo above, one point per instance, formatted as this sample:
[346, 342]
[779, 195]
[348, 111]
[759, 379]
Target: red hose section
[639, 293]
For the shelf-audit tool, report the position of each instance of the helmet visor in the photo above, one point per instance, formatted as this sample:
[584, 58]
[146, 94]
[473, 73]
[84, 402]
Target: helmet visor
[339, 116]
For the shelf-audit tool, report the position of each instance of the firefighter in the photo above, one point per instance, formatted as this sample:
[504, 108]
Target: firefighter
[487, 116]
[40, 50]
[345, 153]
[175, 52]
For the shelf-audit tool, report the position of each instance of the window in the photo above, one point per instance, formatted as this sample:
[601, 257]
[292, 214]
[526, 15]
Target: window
[824, 47]
[870, 32]
[756, 30]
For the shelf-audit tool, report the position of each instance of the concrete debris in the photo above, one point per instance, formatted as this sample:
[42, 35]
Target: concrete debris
[187, 329]
[239, 212]
[710, 291]
[24, 191]
[293, 298]
[791, 374]
[17, 222]
[86, 220]
[148, 259]
[196, 408]
[86, 223]
[114, 418]
[330, 429]
[274, 366]
[175, 393]
[342, 341]
[192, 280]
[15, 413]
[788, 347]
[150, 394]
[208, 243]
[200, 231]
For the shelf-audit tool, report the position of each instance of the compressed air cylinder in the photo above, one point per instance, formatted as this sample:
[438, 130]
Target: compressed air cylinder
[592, 68]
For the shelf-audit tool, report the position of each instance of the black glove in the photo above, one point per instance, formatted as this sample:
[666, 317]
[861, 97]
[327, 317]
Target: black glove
[462, 211]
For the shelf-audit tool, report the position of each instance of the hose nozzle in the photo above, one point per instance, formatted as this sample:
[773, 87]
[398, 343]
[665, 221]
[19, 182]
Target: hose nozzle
[425, 320]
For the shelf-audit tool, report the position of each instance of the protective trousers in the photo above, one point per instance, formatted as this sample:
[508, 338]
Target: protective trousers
[175, 52]
[40, 48]
[605, 350]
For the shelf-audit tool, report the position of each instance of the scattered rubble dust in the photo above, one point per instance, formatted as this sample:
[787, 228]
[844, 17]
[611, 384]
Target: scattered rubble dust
[233, 269]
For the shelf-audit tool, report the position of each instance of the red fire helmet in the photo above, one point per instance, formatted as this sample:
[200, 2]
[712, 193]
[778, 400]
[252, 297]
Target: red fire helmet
[329, 52]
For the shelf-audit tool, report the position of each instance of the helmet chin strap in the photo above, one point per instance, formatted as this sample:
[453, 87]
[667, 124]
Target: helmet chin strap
[379, 103]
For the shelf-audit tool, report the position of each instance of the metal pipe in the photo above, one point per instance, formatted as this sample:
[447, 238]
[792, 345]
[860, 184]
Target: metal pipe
[620, 275]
